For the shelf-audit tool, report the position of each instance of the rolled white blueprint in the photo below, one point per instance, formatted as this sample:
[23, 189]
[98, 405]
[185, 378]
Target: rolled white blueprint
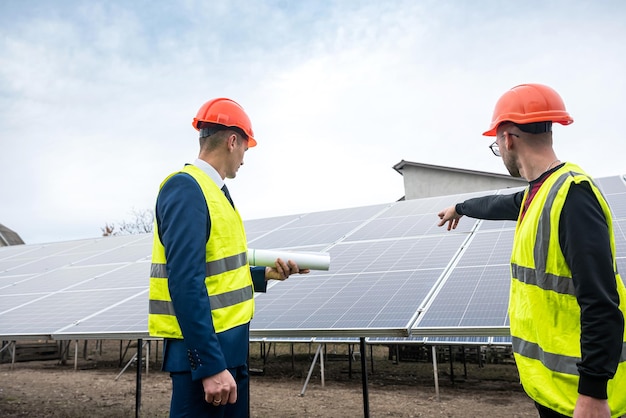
[304, 260]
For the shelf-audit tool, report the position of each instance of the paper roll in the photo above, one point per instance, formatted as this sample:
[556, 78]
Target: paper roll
[304, 260]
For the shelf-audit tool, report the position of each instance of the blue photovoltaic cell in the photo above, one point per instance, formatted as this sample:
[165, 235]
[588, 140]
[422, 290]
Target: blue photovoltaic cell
[14, 251]
[6, 282]
[121, 276]
[619, 231]
[129, 316]
[316, 228]
[47, 257]
[10, 302]
[55, 280]
[476, 292]
[501, 340]
[338, 216]
[617, 203]
[58, 310]
[396, 340]
[35, 266]
[128, 253]
[488, 248]
[621, 268]
[614, 190]
[407, 226]
[300, 236]
[432, 205]
[493, 225]
[470, 297]
[412, 218]
[405, 254]
[457, 340]
[259, 227]
[611, 185]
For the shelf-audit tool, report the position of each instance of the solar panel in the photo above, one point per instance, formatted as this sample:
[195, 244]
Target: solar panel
[315, 228]
[396, 340]
[375, 288]
[442, 340]
[611, 185]
[259, 227]
[45, 288]
[392, 255]
[411, 218]
[474, 294]
[501, 340]
[614, 190]
[394, 274]
[127, 318]
[45, 315]
[55, 280]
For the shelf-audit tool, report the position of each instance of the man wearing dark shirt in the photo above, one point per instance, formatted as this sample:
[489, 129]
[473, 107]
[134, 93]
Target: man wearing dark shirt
[567, 302]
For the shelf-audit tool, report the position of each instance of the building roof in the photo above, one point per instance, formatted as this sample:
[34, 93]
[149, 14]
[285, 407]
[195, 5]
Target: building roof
[9, 237]
[399, 166]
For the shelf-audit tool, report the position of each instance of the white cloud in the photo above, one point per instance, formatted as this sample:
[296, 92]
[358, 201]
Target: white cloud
[97, 98]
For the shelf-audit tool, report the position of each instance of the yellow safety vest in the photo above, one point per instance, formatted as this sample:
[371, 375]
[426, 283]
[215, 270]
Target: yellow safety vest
[544, 313]
[228, 280]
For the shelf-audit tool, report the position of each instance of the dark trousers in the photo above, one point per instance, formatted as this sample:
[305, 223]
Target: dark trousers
[188, 397]
[548, 413]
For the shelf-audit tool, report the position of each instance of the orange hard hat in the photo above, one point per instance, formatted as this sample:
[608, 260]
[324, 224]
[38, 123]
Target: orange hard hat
[529, 103]
[225, 112]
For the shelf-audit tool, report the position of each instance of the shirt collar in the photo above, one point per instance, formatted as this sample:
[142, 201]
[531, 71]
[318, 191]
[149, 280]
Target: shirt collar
[210, 171]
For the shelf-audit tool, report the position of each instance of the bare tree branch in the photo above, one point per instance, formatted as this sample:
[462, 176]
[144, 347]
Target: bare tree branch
[141, 223]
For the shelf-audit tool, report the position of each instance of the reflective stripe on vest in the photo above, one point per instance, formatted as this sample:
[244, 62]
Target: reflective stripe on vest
[213, 268]
[554, 362]
[542, 279]
[542, 289]
[223, 300]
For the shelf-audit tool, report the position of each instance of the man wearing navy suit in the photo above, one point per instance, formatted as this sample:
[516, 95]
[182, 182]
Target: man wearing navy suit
[201, 285]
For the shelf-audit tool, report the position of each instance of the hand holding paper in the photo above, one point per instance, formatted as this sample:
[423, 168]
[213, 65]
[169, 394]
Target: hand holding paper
[304, 260]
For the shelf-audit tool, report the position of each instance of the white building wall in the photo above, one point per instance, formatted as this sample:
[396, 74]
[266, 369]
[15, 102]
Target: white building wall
[427, 181]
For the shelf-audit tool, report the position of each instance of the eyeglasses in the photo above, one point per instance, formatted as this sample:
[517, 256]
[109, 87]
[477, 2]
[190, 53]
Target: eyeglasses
[495, 148]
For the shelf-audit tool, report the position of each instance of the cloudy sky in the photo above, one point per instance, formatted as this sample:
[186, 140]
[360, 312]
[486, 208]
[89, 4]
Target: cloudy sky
[97, 97]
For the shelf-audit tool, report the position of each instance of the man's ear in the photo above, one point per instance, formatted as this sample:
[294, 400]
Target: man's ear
[508, 140]
[231, 142]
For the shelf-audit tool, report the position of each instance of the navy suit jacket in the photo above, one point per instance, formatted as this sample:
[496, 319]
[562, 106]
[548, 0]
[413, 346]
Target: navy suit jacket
[184, 227]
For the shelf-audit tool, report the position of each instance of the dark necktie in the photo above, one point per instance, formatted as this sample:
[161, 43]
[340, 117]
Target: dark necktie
[225, 190]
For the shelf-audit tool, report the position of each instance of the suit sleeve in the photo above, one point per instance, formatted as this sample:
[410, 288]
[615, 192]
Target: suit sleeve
[258, 279]
[183, 223]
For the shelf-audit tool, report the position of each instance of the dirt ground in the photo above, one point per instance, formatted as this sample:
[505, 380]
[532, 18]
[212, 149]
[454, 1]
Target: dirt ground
[396, 389]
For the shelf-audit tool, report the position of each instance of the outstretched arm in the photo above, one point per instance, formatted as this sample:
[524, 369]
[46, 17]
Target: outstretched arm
[491, 207]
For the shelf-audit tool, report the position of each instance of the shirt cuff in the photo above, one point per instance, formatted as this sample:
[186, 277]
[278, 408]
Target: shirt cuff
[593, 386]
[459, 208]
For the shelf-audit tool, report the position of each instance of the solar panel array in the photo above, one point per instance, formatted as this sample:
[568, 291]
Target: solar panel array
[90, 287]
[394, 276]
[473, 299]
